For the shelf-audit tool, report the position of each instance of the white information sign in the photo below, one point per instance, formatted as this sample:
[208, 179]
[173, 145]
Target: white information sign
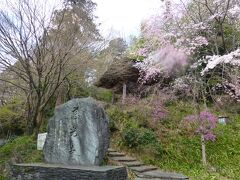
[41, 140]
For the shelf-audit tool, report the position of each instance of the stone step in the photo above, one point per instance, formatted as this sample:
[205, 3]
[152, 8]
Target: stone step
[115, 154]
[132, 163]
[123, 159]
[143, 172]
[142, 169]
[161, 175]
[111, 150]
[138, 178]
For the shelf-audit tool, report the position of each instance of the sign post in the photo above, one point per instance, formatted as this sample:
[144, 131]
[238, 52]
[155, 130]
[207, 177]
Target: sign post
[41, 140]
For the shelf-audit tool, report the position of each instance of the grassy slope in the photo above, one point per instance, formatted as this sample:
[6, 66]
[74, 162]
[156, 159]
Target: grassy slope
[21, 149]
[182, 151]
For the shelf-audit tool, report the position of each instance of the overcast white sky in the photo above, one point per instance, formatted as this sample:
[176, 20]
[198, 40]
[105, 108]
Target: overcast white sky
[123, 17]
[117, 17]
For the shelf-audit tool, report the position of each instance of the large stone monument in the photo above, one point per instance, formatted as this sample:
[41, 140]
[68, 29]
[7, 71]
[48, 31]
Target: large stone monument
[76, 144]
[77, 134]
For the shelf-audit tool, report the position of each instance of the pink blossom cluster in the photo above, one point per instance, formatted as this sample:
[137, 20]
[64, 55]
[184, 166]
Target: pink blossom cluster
[235, 11]
[184, 35]
[221, 7]
[205, 123]
[183, 32]
[182, 85]
[231, 61]
[142, 52]
[233, 89]
[163, 61]
[167, 46]
[233, 58]
[158, 111]
[230, 88]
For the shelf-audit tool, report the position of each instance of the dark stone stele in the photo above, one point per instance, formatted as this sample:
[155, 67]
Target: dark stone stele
[61, 172]
[78, 134]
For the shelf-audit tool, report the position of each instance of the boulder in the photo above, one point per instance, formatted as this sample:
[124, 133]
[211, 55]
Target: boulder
[77, 134]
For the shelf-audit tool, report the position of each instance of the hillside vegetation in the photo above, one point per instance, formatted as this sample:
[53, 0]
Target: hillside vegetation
[167, 143]
[164, 91]
[172, 146]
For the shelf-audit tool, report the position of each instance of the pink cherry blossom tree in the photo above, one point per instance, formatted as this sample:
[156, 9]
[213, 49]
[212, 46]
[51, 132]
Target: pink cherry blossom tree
[229, 64]
[204, 124]
[187, 30]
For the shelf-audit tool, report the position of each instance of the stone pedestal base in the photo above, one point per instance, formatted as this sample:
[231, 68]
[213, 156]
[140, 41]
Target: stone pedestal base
[64, 172]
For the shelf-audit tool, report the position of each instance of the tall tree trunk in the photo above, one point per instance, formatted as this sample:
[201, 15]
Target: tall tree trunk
[204, 160]
[62, 93]
[39, 122]
[124, 93]
[30, 121]
[33, 113]
[60, 96]
[30, 126]
[58, 99]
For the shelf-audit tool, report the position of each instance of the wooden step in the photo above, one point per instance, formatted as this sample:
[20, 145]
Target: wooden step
[142, 169]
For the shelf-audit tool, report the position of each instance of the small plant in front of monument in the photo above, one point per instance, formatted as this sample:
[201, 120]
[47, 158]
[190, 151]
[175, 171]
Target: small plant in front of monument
[203, 124]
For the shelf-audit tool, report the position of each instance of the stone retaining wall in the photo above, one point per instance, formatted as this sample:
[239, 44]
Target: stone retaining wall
[60, 172]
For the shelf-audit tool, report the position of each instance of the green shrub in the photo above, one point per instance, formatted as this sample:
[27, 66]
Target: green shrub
[141, 116]
[25, 146]
[119, 119]
[22, 149]
[134, 136]
[11, 118]
[146, 137]
[130, 135]
[112, 125]
[158, 150]
[2, 177]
